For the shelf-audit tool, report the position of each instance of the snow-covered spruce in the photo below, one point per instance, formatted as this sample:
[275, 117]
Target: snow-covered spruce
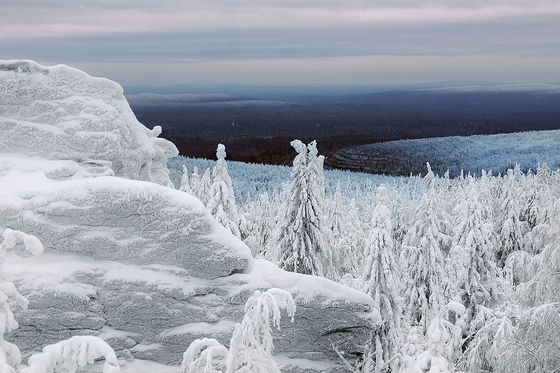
[380, 281]
[422, 257]
[301, 235]
[221, 200]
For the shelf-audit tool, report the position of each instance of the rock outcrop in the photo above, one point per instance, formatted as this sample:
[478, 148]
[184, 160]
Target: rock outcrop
[142, 265]
[59, 112]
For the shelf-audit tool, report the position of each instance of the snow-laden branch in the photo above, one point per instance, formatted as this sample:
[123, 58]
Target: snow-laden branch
[72, 354]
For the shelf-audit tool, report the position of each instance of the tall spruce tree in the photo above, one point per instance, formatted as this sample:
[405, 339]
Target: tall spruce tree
[301, 244]
[380, 281]
[221, 202]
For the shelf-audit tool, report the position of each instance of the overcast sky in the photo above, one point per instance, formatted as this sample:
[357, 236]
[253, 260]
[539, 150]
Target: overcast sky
[289, 42]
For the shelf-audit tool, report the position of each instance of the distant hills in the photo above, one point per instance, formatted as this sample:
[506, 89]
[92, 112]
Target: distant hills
[256, 123]
[471, 154]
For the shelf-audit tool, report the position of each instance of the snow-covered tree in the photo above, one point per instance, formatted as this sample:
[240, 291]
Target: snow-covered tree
[509, 226]
[423, 256]
[475, 277]
[301, 244]
[185, 185]
[486, 345]
[380, 281]
[251, 344]
[70, 355]
[10, 356]
[441, 337]
[346, 235]
[205, 355]
[221, 201]
[204, 186]
[195, 182]
[533, 344]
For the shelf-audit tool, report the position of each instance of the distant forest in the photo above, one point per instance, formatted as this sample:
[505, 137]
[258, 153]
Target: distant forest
[256, 128]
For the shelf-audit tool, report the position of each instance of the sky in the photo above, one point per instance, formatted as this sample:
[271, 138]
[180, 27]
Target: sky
[288, 42]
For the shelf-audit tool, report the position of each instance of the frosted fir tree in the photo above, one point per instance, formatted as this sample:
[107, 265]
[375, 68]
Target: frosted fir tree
[251, 344]
[10, 356]
[486, 346]
[345, 238]
[380, 281]
[475, 276]
[316, 163]
[441, 337]
[205, 186]
[195, 183]
[185, 185]
[539, 207]
[70, 355]
[204, 355]
[422, 256]
[301, 243]
[221, 201]
[510, 227]
[532, 341]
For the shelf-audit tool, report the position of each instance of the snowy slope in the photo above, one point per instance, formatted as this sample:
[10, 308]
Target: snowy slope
[472, 153]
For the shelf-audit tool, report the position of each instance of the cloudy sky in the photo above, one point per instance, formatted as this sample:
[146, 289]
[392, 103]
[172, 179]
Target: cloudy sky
[289, 42]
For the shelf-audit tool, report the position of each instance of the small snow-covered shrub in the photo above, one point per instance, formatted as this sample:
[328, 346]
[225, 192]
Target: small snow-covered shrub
[10, 355]
[69, 355]
[251, 344]
[204, 355]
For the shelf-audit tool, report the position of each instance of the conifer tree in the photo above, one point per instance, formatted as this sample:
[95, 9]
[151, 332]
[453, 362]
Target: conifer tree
[195, 183]
[204, 186]
[221, 202]
[422, 256]
[185, 185]
[380, 281]
[510, 228]
[475, 275]
[301, 244]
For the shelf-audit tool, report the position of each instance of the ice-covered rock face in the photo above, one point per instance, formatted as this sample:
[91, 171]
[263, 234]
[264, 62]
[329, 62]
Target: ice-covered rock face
[59, 112]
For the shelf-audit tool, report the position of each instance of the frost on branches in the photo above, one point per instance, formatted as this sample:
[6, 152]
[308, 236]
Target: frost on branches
[301, 238]
[221, 201]
[185, 185]
[204, 355]
[72, 354]
[10, 356]
[476, 277]
[251, 344]
[380, 281]
[423, 248]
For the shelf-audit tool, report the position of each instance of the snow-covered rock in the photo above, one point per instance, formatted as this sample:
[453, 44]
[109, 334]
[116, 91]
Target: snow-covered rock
[59, 112]
[144, 266]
